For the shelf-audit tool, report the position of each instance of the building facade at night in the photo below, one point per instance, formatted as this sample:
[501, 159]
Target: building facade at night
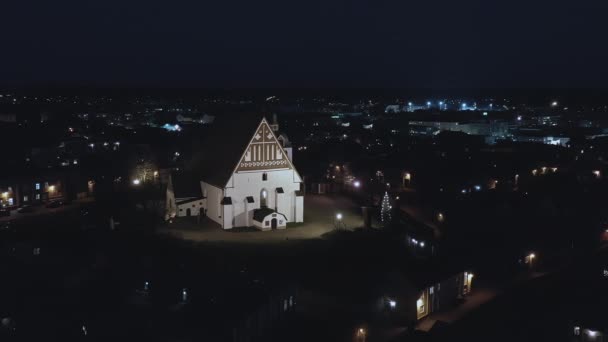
[264, 179]
[246, 177]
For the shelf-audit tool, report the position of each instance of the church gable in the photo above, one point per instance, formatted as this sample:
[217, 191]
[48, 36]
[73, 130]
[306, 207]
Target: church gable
[264, 152]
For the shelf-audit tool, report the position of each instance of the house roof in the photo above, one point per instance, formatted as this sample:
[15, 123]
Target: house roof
[223, 148]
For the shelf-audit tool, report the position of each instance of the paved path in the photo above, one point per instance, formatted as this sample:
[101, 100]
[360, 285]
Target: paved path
[319, 218]
[41, 210]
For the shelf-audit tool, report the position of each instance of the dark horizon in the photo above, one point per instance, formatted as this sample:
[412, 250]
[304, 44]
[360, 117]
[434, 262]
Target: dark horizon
[381, 44]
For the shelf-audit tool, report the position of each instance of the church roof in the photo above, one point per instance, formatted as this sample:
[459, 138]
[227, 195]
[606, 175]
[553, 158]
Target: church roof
[239, 143]
[223, 148]
[185, 185]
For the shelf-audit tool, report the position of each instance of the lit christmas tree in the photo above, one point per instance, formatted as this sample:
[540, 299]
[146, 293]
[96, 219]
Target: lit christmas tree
[385, 210]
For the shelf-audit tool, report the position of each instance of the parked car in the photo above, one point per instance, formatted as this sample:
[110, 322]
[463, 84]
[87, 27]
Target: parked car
[6, 225]
[5, 212]
[26, 209]
[55, 204]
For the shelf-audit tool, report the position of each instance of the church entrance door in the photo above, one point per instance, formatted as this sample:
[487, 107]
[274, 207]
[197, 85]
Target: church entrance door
[273, 223]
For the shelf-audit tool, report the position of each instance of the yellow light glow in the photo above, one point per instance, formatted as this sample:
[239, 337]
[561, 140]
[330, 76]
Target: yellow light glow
[51, 188]
[408, 176]
[419, 302]
[440, 217]
[5, 194]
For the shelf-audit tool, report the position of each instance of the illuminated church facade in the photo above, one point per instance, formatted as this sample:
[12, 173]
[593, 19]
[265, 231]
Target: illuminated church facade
[261, 189]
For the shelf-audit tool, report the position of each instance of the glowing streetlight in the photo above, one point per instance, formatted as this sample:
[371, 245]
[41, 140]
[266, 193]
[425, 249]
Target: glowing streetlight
[136, 182]
[361, 334]
[392, 304]
[554, 104]
[440, 217]
[357, 184]
[530, 258]
[338, 216]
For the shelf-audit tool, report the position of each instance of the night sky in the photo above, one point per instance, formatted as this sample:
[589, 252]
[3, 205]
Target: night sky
[305, 43]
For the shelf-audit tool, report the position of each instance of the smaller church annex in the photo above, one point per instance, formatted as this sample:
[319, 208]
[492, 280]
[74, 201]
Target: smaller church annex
[245, 177]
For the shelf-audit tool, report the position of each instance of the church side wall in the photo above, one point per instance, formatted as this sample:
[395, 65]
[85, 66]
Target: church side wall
[214, 197]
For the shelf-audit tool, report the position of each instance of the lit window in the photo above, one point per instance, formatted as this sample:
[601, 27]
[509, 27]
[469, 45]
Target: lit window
[267, 223]
[37, 186]
[577, 331]
[10, 201]
[285, 305]
[37, 196]
[431, 289]
[25, 198]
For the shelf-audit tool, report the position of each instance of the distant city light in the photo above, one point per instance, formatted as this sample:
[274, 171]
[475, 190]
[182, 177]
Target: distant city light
[477, 187]
[392, 304]
[172, 128]
[554, 104]
[136, 182]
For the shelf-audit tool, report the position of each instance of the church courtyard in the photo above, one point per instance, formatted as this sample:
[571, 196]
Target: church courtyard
[320, 217]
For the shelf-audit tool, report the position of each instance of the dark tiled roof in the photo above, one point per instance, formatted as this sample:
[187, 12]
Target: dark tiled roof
[195, 199]
[260, 214]
[185, 184]
[221, 151]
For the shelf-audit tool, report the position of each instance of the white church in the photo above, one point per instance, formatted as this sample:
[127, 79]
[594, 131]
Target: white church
[246, 177]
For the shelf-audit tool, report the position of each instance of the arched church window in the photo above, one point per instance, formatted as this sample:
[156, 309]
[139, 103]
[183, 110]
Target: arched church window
[264, 198]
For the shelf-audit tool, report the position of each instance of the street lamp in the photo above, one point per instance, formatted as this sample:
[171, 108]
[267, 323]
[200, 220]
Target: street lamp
[136, 182]
[531, 258]
[338, 222]
[440, 217]
[357, 184]
[361, 334]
